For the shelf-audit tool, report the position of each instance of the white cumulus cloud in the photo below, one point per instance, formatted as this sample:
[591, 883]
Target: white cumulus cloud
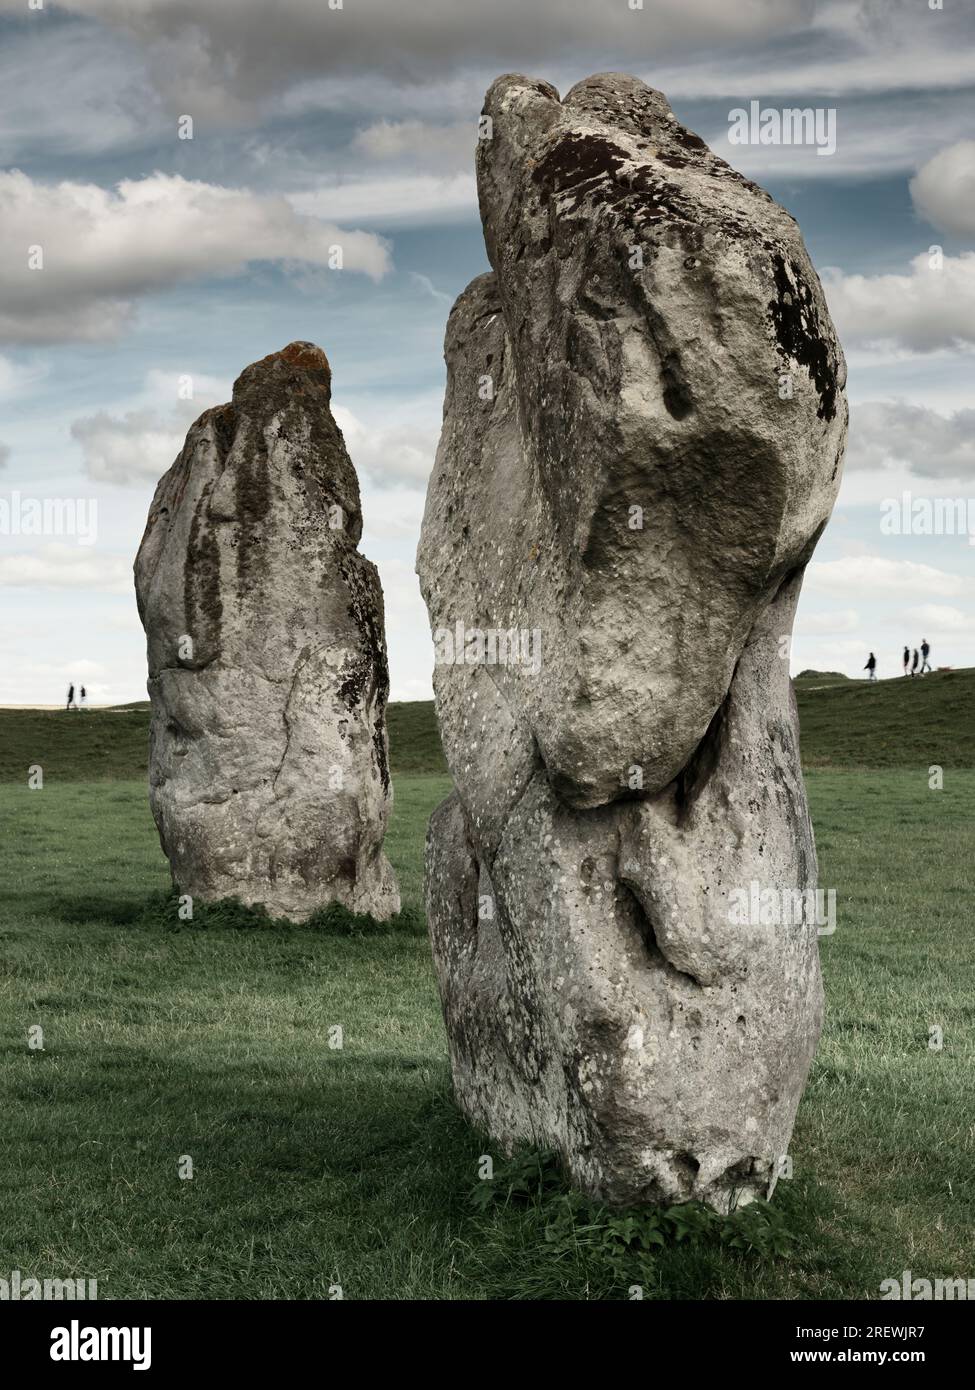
[60, 566]
[97, 251]
[136, 446]
[139, 444]
[842, 620]
[399, 454]
[891, 434]
[944, 189]
[929, 309]
[940, 617]
[875, 577]
[419, 143]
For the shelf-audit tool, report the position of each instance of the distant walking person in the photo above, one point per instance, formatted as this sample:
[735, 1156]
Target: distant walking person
[70, 696]
[84, 697]
[914, 663]
[871, 666]
[907, 659]
[925, 652]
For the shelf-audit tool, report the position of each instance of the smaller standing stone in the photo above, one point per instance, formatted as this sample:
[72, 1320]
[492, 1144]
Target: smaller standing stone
[269, 772]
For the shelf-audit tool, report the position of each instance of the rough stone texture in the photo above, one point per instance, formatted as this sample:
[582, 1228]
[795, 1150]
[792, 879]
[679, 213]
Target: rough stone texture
[610, 802]
[269, 776]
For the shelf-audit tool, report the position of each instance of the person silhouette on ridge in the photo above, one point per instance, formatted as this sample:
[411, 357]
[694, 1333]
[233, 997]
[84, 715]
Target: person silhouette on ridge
[871, 667]
[907, 659]
[914, 663]
[925, 653]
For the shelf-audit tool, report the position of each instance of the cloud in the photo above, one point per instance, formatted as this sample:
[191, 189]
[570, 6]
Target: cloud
[139, 444]
[891, 434]
[59, 566]
[135, 447]
[928, 310]
[866, 144]
[23, 680]
[164, 387]
[944, 189]
[419, 143]
[844, 48]
[874, 577]
[843, 620]
[223, 58]
[103, 250]
[396, 455]
[936, 617]
[17, 379]
[401, 171]
[428, 287]
[391, 513]
[399, 197]
[85, 93]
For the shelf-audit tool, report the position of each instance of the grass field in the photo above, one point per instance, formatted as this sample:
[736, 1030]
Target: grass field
[314, 1166]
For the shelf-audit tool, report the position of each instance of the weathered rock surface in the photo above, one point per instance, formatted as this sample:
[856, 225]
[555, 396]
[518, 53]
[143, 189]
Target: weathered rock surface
[642, 441]
[269, 777]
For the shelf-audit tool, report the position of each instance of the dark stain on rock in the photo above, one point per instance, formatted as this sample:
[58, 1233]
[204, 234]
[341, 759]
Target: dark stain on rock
[676, 392]
[692, 780]
[202, 599]
[796, 323]
[223, 422]
[252, 489]
[689, 140]
[575, 161]
[367, 677]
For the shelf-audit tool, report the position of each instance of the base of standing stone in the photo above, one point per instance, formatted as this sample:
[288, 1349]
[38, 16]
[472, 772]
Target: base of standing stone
[601, 997]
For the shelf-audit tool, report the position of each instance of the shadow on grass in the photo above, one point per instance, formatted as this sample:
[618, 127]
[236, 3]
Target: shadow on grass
[168, 912]
[106, 911]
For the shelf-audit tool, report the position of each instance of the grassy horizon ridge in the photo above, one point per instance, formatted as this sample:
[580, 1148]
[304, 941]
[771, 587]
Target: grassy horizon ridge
[901, 722]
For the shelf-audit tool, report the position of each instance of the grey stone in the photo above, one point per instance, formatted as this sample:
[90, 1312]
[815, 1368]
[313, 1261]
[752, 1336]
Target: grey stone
[642, 441]
[269, 772]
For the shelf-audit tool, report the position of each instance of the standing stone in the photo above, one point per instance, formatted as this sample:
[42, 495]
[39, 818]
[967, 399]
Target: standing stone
[269, 774]
[642, 440]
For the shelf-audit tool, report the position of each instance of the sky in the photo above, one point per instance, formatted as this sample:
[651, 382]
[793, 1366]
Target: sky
[174, 175]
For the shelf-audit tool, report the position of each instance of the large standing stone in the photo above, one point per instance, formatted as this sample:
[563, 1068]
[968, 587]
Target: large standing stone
[269, 775]
[642, 442]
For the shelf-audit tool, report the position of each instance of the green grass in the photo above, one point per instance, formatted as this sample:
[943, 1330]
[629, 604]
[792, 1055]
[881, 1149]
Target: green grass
[315, 1166]
[414, 739]
[902, 722]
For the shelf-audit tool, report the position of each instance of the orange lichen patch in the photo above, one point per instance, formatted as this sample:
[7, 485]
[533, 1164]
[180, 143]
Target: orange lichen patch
[307, 356]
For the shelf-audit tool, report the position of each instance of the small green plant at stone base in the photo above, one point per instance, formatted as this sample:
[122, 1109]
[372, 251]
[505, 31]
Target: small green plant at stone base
[623, 1242]
[341, 921]
[529, 1175]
